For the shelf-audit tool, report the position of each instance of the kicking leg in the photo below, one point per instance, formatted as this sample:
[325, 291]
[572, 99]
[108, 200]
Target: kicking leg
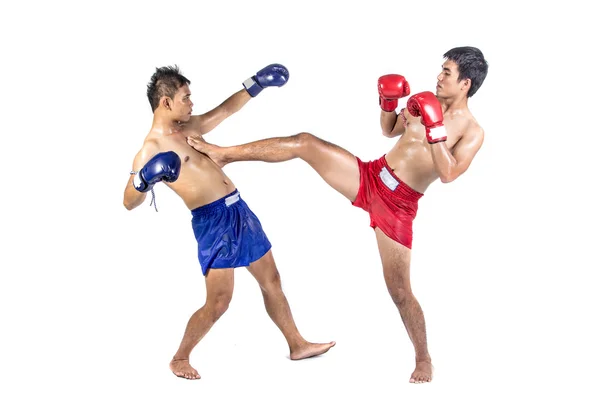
[219, 290]
[337, 166]
[265, 272]
[396, 270]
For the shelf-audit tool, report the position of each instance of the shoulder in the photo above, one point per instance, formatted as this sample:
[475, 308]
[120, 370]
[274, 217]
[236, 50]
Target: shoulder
[474, 130]
[194, 125]
[204, 123]
[149, 148]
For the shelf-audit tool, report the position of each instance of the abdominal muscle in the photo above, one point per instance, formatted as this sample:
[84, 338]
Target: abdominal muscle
[411, 161]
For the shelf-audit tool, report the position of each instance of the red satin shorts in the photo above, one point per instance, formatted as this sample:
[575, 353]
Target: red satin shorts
[391, 203]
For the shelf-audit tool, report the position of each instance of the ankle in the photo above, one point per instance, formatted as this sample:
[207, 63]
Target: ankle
[296, 343]
[423, 359]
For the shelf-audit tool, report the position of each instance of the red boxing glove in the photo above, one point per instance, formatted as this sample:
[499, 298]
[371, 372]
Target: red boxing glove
[391, 88]
[427, 106]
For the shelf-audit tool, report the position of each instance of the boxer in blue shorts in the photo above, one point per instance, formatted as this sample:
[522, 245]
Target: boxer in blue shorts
[228, 233]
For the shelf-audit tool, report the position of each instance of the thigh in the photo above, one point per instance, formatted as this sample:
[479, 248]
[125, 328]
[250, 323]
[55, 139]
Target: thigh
[395, 258]
[336, 165]
[219, 284]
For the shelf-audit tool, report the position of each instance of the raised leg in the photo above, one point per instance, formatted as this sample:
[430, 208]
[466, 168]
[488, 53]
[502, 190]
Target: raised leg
[337, 166]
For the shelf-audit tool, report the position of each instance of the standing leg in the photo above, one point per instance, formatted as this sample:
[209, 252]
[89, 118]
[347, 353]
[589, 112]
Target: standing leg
[266, 274]
[396, 271]
[337, 166]
[219, 290]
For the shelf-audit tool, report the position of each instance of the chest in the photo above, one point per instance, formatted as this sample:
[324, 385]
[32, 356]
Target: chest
[415, 130]
[178, 144]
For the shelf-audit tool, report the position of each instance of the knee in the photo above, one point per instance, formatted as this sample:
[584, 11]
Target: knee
[400, 296]
[305, 140]
[219, 305]
[271, 283]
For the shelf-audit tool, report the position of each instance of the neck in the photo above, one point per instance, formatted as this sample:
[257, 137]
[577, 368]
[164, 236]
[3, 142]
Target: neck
[454, 104]
[163, 125]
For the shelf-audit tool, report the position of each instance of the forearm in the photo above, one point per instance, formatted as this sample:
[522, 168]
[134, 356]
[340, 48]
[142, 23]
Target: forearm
[235, 102]
[387, 121]
[132, 198]
[444, 161]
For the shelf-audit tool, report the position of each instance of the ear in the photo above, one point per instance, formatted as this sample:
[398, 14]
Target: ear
[165, 101]
[466, 84]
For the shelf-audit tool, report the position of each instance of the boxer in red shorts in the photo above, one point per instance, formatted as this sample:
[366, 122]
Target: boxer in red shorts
[438, 139]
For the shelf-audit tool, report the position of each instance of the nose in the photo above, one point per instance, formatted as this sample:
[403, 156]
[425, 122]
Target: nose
[440, 77]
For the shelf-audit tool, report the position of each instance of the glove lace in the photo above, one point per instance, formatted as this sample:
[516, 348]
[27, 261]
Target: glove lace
[153, 201]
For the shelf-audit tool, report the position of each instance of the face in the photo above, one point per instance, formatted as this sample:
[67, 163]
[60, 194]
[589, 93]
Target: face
[181, 105]
[447, 82]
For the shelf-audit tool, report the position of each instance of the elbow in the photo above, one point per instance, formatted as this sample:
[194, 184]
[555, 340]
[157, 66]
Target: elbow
[387, 133]
[128, 205]
[448, 177]
[227, 110]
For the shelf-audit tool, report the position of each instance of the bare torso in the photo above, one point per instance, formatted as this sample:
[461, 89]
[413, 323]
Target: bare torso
[411, 159]
[200, 181]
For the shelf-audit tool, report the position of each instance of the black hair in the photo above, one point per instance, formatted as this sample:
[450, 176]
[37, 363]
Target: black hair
[471, 65]
[166, 81]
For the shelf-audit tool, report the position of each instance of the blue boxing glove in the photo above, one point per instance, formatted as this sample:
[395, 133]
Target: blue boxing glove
[271, 75]
[161, 167]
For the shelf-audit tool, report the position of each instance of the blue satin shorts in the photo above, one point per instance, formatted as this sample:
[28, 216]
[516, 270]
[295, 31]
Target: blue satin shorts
[228, 233]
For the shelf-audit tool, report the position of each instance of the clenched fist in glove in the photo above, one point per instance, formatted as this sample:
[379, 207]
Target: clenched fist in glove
[162, 167]
[391, 88]
[427, 106]
[271, 75]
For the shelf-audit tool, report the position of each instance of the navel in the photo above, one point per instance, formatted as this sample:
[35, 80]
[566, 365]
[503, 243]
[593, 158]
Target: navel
[186, 158]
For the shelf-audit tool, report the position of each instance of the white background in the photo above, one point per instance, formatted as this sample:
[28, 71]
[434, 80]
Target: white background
[94, 299]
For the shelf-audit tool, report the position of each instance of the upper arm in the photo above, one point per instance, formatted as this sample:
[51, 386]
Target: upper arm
[399, 126]
[131, 197]
[148, 150]
[467, 147]
[206, 122]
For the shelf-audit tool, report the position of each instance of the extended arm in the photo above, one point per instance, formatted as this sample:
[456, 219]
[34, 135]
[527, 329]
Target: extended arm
[271, 75]
[207, 122]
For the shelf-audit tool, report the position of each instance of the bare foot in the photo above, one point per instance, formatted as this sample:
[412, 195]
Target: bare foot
[422, 373]
[183, 369]
[213, 151]
[307, 350]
